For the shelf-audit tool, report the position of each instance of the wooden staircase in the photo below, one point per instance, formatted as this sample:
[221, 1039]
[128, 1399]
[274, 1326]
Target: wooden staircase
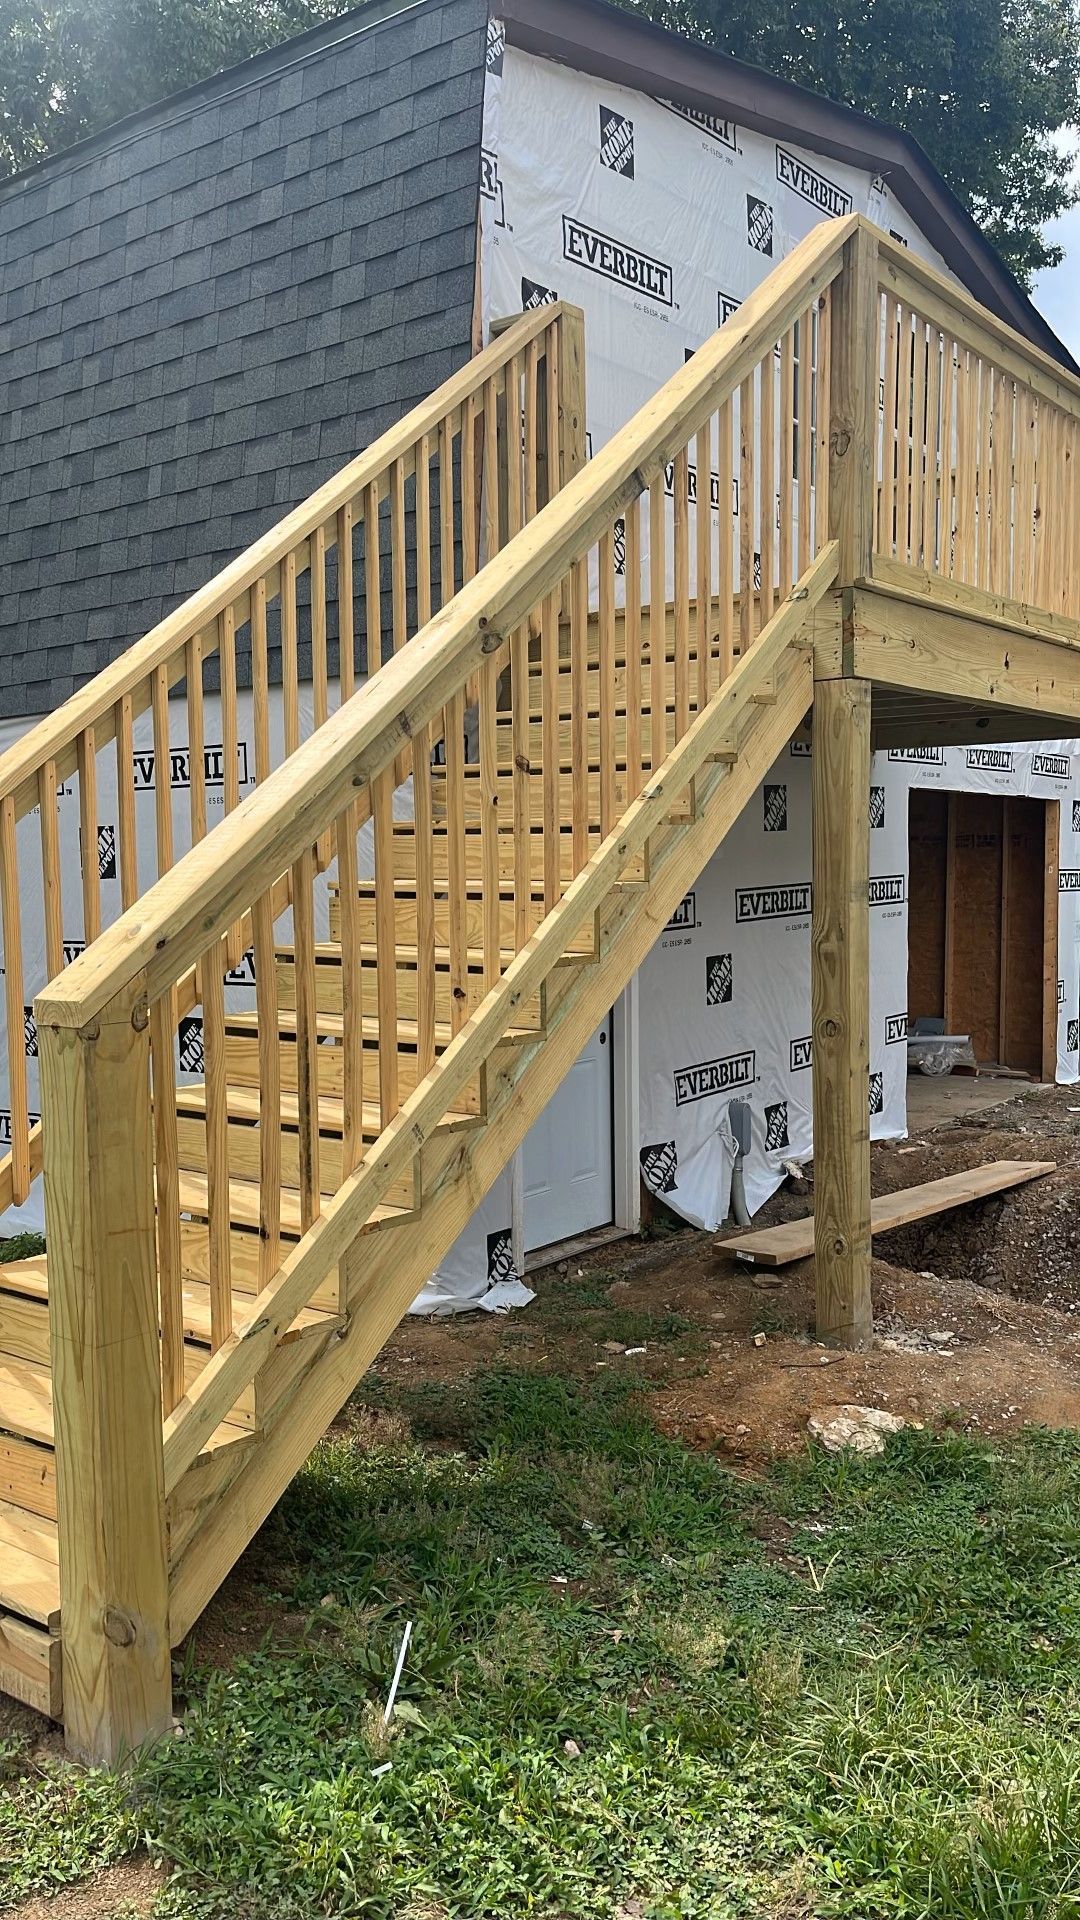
[575, 682]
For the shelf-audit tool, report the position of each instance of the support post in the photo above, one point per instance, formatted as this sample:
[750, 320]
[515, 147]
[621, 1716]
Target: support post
[840, 994]
[854, 345]
[571, 424]
[106, 1372]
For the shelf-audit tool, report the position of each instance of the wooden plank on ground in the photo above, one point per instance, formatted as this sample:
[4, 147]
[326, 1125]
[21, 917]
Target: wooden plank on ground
[778, 1246]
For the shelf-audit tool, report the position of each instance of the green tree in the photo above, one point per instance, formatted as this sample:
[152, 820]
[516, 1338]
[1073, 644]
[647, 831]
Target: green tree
[69, 67]
[983, 85]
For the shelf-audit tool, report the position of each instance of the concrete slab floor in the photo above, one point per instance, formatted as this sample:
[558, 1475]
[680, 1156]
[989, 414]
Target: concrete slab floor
[935, 1099]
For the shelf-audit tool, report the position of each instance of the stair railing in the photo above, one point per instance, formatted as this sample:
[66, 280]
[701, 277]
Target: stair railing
[373, 552]
[749, 406]
[978, 457]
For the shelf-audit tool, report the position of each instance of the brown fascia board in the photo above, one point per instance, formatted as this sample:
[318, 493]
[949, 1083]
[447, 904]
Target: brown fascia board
[615, 44]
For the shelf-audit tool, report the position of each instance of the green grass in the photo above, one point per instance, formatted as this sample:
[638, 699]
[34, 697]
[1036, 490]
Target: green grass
[22, 1246]
[884, 1725]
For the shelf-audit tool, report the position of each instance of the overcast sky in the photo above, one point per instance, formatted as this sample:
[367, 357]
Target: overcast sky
[1057, 293]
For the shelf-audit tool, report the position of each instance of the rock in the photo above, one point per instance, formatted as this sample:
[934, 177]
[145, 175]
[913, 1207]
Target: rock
[862, 1429]
[571, 1749]
[759, 1339]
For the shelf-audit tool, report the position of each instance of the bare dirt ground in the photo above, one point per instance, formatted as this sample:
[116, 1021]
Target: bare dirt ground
[977, 1312]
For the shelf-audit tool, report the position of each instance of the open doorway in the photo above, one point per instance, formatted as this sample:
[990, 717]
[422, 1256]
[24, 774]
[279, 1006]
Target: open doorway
[982, 923]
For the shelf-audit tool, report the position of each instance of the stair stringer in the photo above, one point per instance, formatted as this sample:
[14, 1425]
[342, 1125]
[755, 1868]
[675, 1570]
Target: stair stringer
[386, 1269]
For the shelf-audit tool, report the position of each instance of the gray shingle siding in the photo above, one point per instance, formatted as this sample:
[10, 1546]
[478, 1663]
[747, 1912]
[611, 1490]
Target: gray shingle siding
[203, 318]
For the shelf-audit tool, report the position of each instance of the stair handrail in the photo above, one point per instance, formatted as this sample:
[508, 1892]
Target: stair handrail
[325, 530]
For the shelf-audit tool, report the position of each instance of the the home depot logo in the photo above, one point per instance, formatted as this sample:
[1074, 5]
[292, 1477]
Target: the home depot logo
[190, 1042]
[106, 852]
[822, 193]
[775, 809]
[534, 295]
[616, 260]
[759, 224]
[496, 46]
[919, 756]
[722, 131]
[887, 890]
[145, 765]
[618, 546]
[500, 1256]
[491, 186]
[616, 142]
[711, 1077]
[895, 1029]
[717, 979]
[659, 1165]
[877, 807]
[877, 1093]
[776, 1127]
[243, 974]
[684, 918]
[802, 1054]
[30, 1044]
[1052, 766]
[1069, 880]
[989, 759]
[774, 903]
[1072, 1037]
[1076, 816]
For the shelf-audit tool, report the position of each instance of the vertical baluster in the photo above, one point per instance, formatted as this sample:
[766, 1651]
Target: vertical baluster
[966, 421]
[50, 868]
[319, 664]
[1046, 478]
[1001, 437]
[579, 722]
[805, 440]
[985, 475]
[473, 421]
[260, 682]
[681, 571]
[446, 512]
[372, 579]
[549, 748]
[787, 460]
[193, 655]
[823, 404]
[531, 427]
[930, 483]
[352, 995]
[166, 1178]
[425, 902]
[725, 553]
[14, 1000]
[606, 682]
[632, 645]
[163, 819]
[946, 539]
[307, 1037]
[398, 587]
[519, 671]
[657, 623]
[125, 801]
[423, 530]
[382, 814]
[767, 485]
[346, 605]
[704, 561]
[888, 530]
[918, 434]
[230, 749]
[86, 760]
[269, 1068]
[454, 721]
[216, 1095]
[290, 668]
[746, 502]
[1027, 428]
[487, 701]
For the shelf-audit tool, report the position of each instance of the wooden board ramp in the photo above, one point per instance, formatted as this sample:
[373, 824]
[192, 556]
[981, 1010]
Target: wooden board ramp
[794, 1240]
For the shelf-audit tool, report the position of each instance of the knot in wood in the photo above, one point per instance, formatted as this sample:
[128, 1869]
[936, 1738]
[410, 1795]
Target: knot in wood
[840, 441]
[140, 1015]
[119, 1627]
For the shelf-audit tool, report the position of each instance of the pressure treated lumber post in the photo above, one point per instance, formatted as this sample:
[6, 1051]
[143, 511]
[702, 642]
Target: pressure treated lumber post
[854, 337]
[571, 423]
[840, 996]
[106, 1370]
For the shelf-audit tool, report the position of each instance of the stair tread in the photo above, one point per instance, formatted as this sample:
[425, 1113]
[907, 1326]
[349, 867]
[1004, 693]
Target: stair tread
[331, 1026]
[30, 1279]
[26, 1406]
[244, 1207]
[29, 1568]
[242, 1103]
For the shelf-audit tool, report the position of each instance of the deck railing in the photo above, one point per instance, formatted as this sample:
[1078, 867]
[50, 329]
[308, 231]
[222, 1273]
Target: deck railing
[344, 579]
[978, 476]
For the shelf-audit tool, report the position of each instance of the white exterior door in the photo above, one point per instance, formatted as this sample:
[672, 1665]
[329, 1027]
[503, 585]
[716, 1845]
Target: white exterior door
[568, 1152]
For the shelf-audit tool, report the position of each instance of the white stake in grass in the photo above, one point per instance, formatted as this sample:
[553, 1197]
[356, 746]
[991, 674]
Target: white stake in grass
[405, 1638]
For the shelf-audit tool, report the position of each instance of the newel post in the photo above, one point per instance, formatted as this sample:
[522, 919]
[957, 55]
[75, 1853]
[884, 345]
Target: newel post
[106, 1371]
[840, 935]
[571, 421]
